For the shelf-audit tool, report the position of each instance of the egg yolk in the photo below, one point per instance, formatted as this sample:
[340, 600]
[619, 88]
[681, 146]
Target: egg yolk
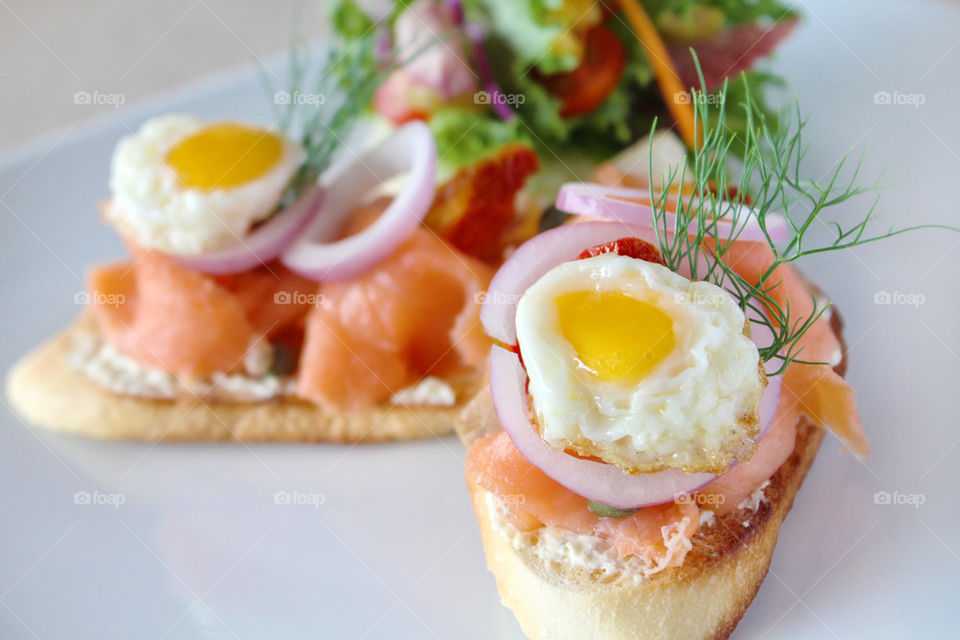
[224, 155]
[615, 336]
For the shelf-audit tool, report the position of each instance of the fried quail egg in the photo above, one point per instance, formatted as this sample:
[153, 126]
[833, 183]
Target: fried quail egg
[186, 186]
[635, 364]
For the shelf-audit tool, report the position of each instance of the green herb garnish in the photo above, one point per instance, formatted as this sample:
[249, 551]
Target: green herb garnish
[606, 511]
[770, 172]
[324, 101]
[284, 360]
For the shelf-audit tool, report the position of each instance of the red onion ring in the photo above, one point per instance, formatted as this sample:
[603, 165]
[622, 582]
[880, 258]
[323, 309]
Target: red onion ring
[315, 255]
[609, 203]
[264, 243]
[456, 8]
[508, 379]
[533, 259]
[604, 483]
[476, 37]
[437, 65]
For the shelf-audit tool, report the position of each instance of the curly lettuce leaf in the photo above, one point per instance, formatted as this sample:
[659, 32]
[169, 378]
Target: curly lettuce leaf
[536, 31]
[349, 20]
[464, 136]
[610, 127]
[734, 11]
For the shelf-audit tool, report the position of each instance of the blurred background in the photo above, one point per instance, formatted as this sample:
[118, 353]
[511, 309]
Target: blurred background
[121, 51]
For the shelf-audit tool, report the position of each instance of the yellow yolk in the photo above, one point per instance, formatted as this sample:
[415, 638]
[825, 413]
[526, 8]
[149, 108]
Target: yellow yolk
[617, 337]
[224, 155]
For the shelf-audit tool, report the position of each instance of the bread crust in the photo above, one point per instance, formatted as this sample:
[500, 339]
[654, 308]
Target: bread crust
[703, 599]
[47, 391]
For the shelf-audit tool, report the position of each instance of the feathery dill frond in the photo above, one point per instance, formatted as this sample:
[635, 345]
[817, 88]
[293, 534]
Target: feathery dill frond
[770, 171]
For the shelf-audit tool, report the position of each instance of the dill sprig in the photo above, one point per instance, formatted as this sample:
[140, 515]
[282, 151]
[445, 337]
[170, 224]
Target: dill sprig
[324, 103]
[324, 100]
[699, 237]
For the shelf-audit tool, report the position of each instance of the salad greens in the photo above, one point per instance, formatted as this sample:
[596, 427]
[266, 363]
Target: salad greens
[463, 137]
[734, 11]
[527, 40]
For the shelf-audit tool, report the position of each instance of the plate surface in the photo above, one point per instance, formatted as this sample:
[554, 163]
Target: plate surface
[111, 540]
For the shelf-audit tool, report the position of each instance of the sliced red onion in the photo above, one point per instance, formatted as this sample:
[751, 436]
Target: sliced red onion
[384, 48]
[476, 36]
[456, 7]
[533, 259]
[729, 52]
[508, 380]
[762, 336]
[430, 29]
[613, 203]
[264, 243]
[409, 150]
[604, 483]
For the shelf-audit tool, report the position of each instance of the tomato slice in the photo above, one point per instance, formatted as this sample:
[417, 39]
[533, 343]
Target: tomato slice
[631, 247]
[586, 87]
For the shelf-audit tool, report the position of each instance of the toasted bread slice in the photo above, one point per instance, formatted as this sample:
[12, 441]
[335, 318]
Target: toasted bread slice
[703, 599]
[48, 391]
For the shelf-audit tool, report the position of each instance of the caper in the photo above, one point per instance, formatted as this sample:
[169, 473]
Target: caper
[606, 511]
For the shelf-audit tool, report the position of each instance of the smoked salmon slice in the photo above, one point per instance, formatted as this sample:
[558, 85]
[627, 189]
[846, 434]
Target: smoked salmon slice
[414, 314]
[825, 397]
[534, 499]
[733, 487]
[819, 392]
[169, 317]
[273, 297]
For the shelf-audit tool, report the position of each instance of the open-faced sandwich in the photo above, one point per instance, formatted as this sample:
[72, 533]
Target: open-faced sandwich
[662, 379]
[260, 303]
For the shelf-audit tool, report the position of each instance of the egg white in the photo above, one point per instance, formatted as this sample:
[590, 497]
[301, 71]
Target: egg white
[151, 207]
[690, 406]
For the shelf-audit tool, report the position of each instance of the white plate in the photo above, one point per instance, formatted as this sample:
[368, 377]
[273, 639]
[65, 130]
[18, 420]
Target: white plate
[199, 548]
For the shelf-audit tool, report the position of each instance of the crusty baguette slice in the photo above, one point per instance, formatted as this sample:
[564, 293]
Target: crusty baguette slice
[703, 599]
[47, 391]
